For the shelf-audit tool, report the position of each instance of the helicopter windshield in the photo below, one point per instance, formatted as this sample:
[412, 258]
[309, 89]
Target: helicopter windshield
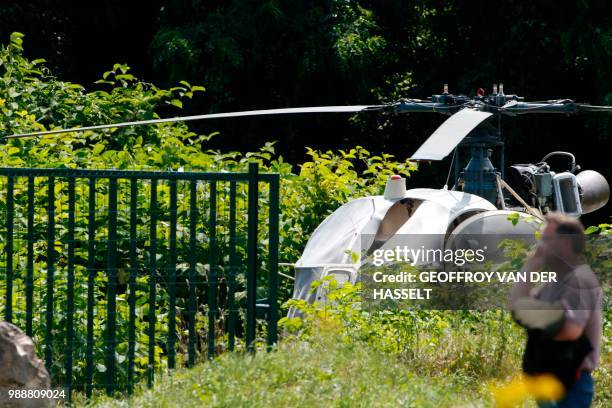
[340, 231]
[396, 216]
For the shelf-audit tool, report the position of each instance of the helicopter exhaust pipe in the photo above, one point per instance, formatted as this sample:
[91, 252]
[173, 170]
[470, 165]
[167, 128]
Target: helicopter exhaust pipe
[594, 190]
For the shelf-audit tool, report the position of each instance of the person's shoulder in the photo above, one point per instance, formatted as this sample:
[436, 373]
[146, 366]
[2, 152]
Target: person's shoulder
[581, 289]
[583, 277]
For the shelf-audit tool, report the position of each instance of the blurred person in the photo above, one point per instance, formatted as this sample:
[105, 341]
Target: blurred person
[563, 319]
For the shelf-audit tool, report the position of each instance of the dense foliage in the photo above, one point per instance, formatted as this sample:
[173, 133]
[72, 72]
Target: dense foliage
[31, 98]
[327, 372]
[253, 54]
[482, 348]
[340, 354]
[260, 54]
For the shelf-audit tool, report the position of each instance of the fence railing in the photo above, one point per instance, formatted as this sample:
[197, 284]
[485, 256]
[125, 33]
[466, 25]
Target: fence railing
[118, 274]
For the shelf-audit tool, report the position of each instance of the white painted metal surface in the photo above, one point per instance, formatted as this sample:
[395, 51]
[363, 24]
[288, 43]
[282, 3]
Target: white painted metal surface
[328, 251]
[450, 134]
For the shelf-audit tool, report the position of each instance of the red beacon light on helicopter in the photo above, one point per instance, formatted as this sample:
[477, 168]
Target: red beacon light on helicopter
[395, 188]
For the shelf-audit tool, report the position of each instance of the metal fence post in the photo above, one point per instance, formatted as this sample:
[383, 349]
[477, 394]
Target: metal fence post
[133, 272]
[50, 272]
[91, 276]
[10, 214]
[231, 284]
[253, 210]
[193, 214]
[212, 273]
[30, 260]
[70, 288]
[152, 282]
[172, 278]
[111, 294]
[273, 260]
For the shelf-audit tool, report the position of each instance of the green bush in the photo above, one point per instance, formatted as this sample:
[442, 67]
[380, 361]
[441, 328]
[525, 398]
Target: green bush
[435, 342]
[32, 99]
[478, 349]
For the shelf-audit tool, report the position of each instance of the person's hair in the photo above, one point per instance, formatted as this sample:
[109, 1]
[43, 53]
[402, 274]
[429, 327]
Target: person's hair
[568, 226]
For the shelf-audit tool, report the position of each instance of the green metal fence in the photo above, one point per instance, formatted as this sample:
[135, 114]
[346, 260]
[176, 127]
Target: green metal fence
[120, 274]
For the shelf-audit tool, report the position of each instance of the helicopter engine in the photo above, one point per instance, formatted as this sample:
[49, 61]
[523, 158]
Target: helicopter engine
[572, 192]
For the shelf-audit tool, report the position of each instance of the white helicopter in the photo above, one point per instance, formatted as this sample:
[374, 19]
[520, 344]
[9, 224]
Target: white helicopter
[480, 201]
[480, 204]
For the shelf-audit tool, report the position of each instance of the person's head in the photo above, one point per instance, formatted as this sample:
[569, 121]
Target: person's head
[563, 237]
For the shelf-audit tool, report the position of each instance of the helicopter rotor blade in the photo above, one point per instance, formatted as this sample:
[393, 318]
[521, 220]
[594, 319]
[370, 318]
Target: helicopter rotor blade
[593, 108]
[449, 134]
[565, 106]
[283, 111]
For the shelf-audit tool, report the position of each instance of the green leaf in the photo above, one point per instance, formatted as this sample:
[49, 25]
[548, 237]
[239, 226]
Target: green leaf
[98, 148]
[126, 77]
[177, 103]
[514, 218]
[16, 39]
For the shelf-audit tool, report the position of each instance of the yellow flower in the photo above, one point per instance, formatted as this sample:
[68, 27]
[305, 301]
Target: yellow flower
[541, 387]
[511, 394]
[544, 387]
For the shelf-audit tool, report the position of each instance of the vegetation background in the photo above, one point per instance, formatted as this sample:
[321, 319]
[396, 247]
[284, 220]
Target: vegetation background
[265, 54]
[254, 55]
